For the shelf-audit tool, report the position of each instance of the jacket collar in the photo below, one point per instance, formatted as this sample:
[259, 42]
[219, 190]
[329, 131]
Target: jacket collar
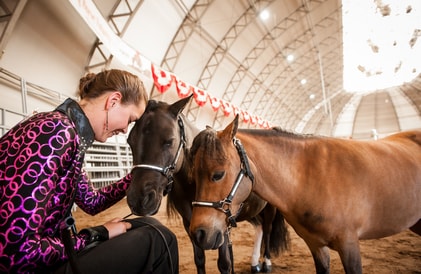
[84, 129]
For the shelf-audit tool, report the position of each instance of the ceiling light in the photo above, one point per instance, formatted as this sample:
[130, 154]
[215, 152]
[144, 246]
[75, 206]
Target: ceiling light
[303, 81]
[264, 15]
[290, 58]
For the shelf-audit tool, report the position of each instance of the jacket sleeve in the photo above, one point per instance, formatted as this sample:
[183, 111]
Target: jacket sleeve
[93, 201]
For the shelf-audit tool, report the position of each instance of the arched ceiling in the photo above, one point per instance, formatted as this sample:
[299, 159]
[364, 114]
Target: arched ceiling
[225, 48]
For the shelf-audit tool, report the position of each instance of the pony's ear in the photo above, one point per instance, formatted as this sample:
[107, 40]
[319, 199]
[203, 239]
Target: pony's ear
[178, 106]
[230, 131]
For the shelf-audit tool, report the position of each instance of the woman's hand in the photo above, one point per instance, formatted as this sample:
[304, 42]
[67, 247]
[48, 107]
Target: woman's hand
[116, 227]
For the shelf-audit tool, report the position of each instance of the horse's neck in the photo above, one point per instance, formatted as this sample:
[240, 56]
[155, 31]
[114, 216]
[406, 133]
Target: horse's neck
[273, 166]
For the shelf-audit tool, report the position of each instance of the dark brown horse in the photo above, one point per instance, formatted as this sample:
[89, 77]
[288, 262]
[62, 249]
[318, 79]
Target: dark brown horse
[333, 192]
[160, 142]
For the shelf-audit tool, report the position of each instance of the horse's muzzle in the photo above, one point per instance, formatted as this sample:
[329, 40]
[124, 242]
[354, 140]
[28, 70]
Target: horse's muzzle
[146, 205]
[208, 238]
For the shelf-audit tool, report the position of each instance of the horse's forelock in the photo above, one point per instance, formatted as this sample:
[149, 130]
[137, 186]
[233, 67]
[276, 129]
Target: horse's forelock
[152, 105]
[211, 145]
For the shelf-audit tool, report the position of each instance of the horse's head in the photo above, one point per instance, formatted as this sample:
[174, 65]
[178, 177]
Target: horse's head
[222, 175]
[157, 141]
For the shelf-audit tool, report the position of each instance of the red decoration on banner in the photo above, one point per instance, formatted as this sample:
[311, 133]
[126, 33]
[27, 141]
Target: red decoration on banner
[246, 116]
[235, 110]
[260, 121]
[215, 102]
[162, 79]
[253, 119]
[226, 107]
[200, 96]
[183, 89]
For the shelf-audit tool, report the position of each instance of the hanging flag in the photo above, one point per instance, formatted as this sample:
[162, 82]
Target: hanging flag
[183, 89]
[246, 116]
[260, 121]
[226, 107]
[215, 102]
[161, 78]
[200, 96]
[253, 119]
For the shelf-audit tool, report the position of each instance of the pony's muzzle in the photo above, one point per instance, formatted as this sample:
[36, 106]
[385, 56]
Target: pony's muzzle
[144, 205]
[208, 238]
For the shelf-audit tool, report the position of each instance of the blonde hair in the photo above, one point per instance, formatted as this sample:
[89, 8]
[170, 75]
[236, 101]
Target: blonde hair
[131, 87]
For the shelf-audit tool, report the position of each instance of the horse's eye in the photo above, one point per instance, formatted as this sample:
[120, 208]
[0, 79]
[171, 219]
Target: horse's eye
[218, 175]
[168, 143]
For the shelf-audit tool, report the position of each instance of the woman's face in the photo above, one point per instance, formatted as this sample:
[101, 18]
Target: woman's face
[118, 116]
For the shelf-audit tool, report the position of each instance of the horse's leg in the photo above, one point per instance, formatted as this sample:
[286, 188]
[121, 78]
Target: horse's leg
[199, 258]
[225, 265]
[321, 259]
[350, 256]
[416, 228]
[272, 235]
[255, 264]
[199, 253]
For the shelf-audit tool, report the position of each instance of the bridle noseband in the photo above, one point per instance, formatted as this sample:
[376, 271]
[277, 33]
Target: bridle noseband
[225, 204]
[168, 171]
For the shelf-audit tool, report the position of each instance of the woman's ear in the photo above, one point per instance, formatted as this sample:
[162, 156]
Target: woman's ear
[113, 99]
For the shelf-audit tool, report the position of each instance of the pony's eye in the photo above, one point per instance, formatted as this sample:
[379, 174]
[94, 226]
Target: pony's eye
[218, 175]
[168, 143]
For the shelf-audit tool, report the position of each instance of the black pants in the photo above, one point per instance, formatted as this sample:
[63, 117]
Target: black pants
[149, 247]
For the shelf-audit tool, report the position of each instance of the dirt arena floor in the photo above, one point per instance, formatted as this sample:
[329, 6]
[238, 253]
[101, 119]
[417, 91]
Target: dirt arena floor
[400, 253]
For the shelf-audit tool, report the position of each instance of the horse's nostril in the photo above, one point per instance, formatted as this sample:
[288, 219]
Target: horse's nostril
[200, 236]
[149, 198]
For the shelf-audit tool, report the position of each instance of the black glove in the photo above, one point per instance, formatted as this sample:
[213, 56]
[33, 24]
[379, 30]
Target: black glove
[95, 236]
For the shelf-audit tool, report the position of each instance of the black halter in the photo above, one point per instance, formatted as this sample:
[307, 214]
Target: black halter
[168, 171]
[225, 204]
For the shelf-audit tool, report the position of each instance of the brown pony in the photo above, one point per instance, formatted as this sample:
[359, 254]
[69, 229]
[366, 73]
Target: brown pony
[333, 192]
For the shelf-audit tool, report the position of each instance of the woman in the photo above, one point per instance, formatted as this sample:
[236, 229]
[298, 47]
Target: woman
[41, 176]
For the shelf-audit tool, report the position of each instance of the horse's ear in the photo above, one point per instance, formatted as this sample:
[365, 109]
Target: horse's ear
[177, 107]
[230, 131]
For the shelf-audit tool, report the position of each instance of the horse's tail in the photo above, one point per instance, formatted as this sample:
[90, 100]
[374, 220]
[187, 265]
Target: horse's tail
[279, 235]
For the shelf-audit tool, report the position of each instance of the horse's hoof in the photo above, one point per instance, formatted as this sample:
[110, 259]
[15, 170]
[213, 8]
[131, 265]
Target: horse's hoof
[256, 268]
[266, 268]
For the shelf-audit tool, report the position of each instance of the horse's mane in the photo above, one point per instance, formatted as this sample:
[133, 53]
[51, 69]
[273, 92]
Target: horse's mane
[277, 131]
[213, 147]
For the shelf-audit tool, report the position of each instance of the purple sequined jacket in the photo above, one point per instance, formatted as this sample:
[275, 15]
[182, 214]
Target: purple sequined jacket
[41, 162]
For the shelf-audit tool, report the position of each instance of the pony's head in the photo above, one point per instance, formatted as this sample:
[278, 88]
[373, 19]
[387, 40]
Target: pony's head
[157, 141]
[222, 184]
